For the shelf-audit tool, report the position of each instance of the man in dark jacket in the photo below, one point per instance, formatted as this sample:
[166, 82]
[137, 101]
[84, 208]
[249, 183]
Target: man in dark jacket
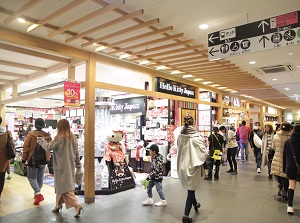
[255, 148]
[291, 162]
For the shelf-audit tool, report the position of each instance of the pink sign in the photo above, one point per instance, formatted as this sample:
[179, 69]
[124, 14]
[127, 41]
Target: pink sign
[71, 94]
[284, 20]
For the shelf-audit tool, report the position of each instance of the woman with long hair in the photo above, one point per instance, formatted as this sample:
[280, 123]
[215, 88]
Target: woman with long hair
[65, 159]
[267, 148]
[191, 157]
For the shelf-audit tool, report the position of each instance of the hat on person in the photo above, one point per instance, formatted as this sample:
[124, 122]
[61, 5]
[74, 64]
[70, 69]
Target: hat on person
[39, 123]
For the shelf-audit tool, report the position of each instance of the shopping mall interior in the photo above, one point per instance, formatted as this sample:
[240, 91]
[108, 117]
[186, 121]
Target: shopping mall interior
[139, 67]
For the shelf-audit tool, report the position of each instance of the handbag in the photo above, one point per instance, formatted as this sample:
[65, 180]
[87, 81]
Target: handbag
[256, 140]
[78, 176]
[207, 163]
[10, 149]
[298, 167]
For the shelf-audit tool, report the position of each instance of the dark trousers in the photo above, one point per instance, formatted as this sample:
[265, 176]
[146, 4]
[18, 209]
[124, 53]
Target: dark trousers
[283, 183]
[270, 159]
[2, 179]
[231, 153]
[190, 200]
[217, 162]
[258, 157]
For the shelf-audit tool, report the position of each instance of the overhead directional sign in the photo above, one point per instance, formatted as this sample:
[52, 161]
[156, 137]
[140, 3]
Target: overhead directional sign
[272, 33]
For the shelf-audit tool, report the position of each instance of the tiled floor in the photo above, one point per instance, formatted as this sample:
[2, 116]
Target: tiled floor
[246, 197]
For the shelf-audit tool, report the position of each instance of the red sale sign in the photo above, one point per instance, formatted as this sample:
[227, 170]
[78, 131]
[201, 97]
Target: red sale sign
[71, 94]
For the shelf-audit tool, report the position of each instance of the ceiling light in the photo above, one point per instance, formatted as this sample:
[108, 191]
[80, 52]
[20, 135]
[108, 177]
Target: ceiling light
[274, 79]
[215, 85]
[38, 99]
[94, 44]
[123, 56]
[252, 62]
[203, 26]
[100, 48]
[161, 67]
[28, 84]
[298, 65]
[286, 88]
[32, 27]
[234, 91]
[207, 82]
[21, 20]
[187, 76]
[144, 62]
[175, 72]
[198, 79]
[222, 87]
[228, 90]
[291, 54]
[215, 59]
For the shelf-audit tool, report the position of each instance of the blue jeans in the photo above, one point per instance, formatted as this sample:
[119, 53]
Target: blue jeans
[35, 176]
[159, 189]
[244, 151]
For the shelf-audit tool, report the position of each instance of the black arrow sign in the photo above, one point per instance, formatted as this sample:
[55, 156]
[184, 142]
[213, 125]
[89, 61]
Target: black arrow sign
[213, 51]
[264, 40]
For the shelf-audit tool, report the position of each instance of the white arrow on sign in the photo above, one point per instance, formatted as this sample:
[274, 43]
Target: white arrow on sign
[211, 38]
[263, 23]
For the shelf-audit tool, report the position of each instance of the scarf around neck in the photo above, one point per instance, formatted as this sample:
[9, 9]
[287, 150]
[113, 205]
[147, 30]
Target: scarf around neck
[189, 130]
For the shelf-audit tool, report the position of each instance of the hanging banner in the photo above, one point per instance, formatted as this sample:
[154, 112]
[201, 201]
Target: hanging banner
[71, 94]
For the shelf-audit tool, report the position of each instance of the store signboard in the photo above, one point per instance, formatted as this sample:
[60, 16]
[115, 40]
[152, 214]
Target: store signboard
[71, 94]
[174, 88]
[276, 32]
[128, 105]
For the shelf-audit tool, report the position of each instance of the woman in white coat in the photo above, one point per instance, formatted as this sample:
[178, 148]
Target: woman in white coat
[191, 157]
[65, 159]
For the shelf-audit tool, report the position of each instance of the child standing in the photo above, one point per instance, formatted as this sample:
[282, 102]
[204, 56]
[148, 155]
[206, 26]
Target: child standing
[155, 177]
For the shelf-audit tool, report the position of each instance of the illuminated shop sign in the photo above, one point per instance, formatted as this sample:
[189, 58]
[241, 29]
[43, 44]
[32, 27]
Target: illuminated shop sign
[128, 105]
[175, 88]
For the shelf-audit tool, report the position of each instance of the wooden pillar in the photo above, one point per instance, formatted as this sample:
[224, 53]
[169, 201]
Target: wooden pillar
[89, 135]
[15, 91]
[220, 109]
[248, 114]
[71, 73]
[2, 106]
[153, 83]
[261, 115]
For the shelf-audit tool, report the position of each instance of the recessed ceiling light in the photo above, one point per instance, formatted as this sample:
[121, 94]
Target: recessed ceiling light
[286, 88]
[298, 65]
[144, 62]
[215, 85]
[33, 26]
[291, 54]
[203, 26]
[215, 59]
[100, 48]
[175, 72]
[252, 62]
[198, 79]
[222, 87]
[228, 89]
[21, 20]
[161, 67]
[274, 79]
[207, 82]
[124, 56]
[187, 76]
[234, 91]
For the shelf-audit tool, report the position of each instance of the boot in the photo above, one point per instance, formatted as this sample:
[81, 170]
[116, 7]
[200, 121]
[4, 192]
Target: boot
[186, 219]
[280, 186]
[284, 194]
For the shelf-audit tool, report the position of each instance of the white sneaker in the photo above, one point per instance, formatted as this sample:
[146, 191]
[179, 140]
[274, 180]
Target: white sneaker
[290, 210]
[148, 201]
[161, 203]
[258, 170]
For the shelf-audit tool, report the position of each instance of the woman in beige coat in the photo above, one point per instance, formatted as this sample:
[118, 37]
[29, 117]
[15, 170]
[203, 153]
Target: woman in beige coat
[65, 159]
[277, 164]
[267, 150]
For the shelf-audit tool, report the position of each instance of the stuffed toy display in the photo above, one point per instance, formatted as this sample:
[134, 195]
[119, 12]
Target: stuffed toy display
[115, 151]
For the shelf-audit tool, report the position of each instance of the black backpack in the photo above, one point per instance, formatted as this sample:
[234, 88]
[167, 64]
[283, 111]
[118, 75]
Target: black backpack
[38, 156]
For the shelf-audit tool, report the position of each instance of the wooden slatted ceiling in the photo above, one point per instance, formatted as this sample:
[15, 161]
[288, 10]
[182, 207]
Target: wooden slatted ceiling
[172, 55]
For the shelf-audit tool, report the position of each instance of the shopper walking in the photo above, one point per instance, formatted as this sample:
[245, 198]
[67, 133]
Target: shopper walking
[65, 159]
[291, 163]
[267, 148]
[277, 163]
[4, 162]
[256, 143]
[35, 169]
[232, 147]
[243, 133]
[191, 156]
[155, 177]
[215, 145]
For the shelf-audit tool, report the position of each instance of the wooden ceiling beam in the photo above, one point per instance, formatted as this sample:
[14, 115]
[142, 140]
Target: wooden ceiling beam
[10, 74]
[147, 43]
[165, 59]
[201, 62]
[170, 52]
[88, 17]
[121, 32]
[55, 14]
[33, 53]
[200, 58]
[6, 81]
[144, 35]
[20, 65]
[20, 11]
[105, 25]
[199, 67]
[162, 47]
